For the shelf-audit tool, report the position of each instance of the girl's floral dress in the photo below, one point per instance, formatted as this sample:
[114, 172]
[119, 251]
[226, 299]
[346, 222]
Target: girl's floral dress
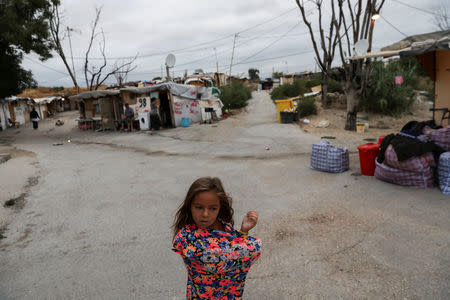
[217, 261]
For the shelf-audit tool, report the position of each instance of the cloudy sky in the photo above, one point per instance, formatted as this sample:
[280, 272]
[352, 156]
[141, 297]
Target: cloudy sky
[270, 35]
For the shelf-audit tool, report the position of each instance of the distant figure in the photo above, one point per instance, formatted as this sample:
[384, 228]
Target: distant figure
[155, 121]
[129, 116]
[34, 116]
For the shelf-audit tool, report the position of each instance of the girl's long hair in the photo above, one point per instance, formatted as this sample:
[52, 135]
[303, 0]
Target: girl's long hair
[183, 216]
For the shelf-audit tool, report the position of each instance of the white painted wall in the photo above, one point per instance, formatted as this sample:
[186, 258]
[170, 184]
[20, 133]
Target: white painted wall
[19, 110]
[186, 108]
[4, 115]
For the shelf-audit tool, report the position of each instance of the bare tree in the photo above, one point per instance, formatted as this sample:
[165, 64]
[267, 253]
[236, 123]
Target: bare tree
[354, 73]
[122, 72]
[328, 41]
[441, 17]
[352, 22]
[58, 36]
[94, 75]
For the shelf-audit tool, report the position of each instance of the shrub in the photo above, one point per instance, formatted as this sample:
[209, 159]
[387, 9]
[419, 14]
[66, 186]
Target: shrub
[316, 79]
[289, 90]
[334, 87]
[382, 95]
[235, 96]
[306, 106]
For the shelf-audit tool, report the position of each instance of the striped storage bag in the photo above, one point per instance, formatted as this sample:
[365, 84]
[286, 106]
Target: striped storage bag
[328, 158]
[444, 172]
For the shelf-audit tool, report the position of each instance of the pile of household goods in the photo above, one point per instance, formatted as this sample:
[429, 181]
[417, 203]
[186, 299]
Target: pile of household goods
[328, 158]
[286, 111]
[418, 156]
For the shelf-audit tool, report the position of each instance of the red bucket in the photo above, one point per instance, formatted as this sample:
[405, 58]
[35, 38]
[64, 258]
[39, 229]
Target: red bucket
[367, 155]
[381, 139]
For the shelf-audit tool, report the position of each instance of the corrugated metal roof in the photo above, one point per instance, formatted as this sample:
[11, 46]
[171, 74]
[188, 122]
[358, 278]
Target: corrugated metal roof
[45, 100]
[407, 42]
[14, 98]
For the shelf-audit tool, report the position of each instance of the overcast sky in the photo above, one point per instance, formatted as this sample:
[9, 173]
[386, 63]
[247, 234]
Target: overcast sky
[271, 35]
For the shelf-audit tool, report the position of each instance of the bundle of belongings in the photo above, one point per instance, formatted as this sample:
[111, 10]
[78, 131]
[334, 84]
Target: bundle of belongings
[411, 157]
[328, 158]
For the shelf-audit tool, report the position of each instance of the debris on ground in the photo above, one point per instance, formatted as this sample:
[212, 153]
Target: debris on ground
[4, 158]
[322, 124]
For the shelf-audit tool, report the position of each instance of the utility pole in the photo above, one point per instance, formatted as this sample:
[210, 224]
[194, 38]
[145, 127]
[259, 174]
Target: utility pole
[232, 54]
[217, 61]
[168, 73]
[71, 54]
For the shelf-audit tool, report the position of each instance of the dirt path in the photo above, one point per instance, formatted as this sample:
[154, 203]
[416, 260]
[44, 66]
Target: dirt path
[97, 225]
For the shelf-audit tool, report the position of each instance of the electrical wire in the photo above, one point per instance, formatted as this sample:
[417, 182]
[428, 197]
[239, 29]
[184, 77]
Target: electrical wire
[270, 44]
[193, 46]
[393, 26]
[422, 9]
[41, 64]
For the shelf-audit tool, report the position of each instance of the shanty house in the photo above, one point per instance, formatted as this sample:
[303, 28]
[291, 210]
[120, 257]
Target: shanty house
[14, 110]
[432, 50]
[101, 106]
[47, 106]
[177, 101]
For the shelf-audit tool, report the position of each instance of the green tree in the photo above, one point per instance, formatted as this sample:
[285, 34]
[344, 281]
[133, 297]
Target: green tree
[253, 74]
[24, 29]
[277, 75]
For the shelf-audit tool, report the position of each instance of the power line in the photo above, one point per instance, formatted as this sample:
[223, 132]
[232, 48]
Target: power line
[393, 26]
[196, 45]
[36, 62]
[422, 9]
[271, 44]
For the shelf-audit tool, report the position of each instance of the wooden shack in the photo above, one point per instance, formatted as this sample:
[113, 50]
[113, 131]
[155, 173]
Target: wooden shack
[102, 106]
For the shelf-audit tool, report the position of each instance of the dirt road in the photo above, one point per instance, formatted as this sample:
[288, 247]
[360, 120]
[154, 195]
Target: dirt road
[96, 222]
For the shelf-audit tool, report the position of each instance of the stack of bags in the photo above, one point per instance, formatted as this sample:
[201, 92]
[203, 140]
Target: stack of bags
[411, 157]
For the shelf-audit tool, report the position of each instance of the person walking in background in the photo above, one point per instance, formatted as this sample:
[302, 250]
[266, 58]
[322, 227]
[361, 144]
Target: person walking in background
[216, 255]
[34, 116]
[129, 116]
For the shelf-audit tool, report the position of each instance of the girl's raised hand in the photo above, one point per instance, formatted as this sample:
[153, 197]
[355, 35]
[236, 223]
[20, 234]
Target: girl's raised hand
[249, 221]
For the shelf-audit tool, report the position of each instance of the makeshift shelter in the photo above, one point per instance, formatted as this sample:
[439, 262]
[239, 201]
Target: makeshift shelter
[290, 78]
[220, 78]
[103, 107]
[177, 101]
[14, 111]
[432, 50]
[434, 56]
[47, 106]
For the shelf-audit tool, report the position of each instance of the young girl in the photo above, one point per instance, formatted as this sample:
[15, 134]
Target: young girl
[217, 256]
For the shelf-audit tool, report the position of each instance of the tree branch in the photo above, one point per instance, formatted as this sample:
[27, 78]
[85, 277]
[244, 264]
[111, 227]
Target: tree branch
[91, 40]
[308, 24]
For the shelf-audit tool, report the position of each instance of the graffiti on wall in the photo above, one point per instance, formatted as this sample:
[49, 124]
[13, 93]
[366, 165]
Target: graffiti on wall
[185, 107]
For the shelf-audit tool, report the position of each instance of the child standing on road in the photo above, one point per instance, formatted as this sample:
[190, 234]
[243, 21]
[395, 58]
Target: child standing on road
[217, 256]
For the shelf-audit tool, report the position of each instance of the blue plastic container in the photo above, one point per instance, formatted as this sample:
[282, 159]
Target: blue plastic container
[185, 122]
